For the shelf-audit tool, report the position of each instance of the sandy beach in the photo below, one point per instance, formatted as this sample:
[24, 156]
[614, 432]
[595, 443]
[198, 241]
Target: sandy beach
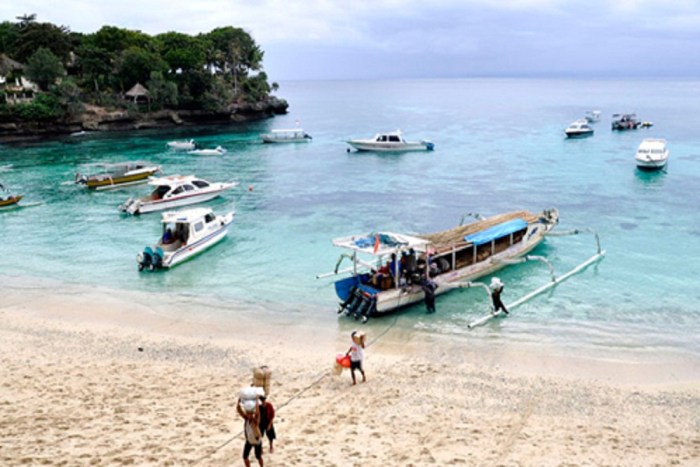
[89, 379]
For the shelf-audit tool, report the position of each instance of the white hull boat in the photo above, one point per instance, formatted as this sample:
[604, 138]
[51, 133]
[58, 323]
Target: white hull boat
[286, 136]
[652, 154]
[579, 129]
[185, 234]
[464, 253]
[390, 142]
[217, 151]
[175, 191]
[187, 145]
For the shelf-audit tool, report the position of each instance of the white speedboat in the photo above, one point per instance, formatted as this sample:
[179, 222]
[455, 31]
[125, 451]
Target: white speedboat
[187, 145]
[286, 136]
[110, 176]
[390, 142]
[652, 154]
[592, 116]
[217, 151]
[579, 129]
[186, 233]
[175, 191]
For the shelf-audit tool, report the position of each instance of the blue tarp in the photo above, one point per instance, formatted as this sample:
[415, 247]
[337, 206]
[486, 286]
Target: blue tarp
[384, 239]
[497, 231]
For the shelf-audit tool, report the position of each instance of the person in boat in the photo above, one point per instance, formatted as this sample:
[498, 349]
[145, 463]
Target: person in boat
[168, 237]
[409, 265]
[357, 355]
[251, 429]
[429, 288]
[395, 269]
[496, 289]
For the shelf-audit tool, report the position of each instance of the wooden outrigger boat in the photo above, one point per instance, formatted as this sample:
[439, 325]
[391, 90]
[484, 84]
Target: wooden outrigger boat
[10, 201]
[118, 175]
[388, 268]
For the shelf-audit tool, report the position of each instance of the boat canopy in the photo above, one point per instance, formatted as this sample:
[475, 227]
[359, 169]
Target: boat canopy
[171, 180]
[185, 216]
[497, 231]
[385, 242]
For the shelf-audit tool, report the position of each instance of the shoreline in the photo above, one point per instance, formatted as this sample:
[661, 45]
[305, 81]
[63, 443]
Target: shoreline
[92, 378]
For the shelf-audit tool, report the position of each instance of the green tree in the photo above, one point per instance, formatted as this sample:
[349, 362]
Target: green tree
[43, 107]
[234, 52]
[181, 52]
[44, 68]
[94, 66]
[116, 40]
[9, 37]
[218, 97]
[43, 35]
[69, 97]
[135, 65]
[163, 93]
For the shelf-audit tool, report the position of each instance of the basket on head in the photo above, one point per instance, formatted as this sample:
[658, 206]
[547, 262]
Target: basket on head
[262, 376]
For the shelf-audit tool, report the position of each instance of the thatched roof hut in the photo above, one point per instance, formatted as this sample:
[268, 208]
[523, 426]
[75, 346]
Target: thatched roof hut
[7, 65]
[138, 93]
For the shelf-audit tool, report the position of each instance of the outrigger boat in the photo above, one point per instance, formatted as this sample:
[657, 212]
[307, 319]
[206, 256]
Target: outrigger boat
[118, 175]
[389, 269]
[186, 233]
[7, 199]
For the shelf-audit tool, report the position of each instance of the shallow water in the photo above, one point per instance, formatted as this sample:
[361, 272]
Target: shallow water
[500, 146]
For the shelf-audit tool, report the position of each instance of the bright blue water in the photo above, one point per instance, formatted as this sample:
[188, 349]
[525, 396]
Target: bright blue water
[499, 146]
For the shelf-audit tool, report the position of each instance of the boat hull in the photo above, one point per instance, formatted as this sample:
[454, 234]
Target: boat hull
[578, 134]
[144, 207]
[651, 164]
[107, 183]
[10, 201]
[189, 251]
[390, 147]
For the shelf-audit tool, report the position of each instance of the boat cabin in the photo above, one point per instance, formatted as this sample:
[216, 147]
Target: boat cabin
[394, 137]
[175, 185]
[181, 228]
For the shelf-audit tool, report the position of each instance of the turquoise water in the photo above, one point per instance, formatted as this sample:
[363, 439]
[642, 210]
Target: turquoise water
[499, 146]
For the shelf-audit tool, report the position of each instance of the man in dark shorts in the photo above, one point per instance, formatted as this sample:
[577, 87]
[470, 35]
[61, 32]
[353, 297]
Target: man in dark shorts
[251, 430]
[496, 289]
[267, 415]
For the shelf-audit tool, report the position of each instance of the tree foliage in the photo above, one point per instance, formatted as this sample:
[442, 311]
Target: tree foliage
[209, 71]
[44, 68]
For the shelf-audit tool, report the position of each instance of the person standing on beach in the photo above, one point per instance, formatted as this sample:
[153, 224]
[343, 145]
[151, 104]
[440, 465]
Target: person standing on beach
[496, 289]
[267, 415]
[357, 355]
[429, 288]
[251, 429]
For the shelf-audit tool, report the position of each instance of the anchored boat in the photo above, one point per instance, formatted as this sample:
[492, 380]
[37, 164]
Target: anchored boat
[186, 233]
[390, 142]
[175, 191]
[118, 175]
[186, 145]
[387, 269]
[652, 154]
[296, 135]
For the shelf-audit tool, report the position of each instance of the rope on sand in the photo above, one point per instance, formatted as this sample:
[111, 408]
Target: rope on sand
[318, 379]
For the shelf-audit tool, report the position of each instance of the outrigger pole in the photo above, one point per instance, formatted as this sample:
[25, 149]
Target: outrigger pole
[555, 280]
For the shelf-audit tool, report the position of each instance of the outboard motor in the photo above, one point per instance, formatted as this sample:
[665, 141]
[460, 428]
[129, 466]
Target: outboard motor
[145, 259]
[157, 259]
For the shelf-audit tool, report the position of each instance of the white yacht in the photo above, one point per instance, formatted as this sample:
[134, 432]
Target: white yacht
[579, 129]
[296, 135]
[593, 116]
[187, 145]
[390, 142]
[217, 151]
[186, 233]
[652, 154]
[175, 191]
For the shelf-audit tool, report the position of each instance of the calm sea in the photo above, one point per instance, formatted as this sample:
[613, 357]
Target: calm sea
[499, 146]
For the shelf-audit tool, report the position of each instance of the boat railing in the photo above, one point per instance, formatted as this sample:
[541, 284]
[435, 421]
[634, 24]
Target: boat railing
[353, 268]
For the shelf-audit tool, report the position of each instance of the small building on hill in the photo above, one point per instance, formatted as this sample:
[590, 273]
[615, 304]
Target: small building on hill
[15, 87]
[138, 94]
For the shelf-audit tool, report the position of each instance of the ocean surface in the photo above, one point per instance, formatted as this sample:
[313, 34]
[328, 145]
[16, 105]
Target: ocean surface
[499, 146]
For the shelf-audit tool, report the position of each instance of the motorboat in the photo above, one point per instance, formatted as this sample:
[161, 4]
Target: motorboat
[186, 233]
[296, 135]
[579, 129]
[623, 122]
[186, 145]
[652, 154]
[390, 142]
[175, 191]
[592, 116]
[387, 268]
[7, 199]
[117, 175]
[217, 151]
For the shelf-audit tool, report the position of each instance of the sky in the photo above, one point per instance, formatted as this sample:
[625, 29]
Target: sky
[384, 39]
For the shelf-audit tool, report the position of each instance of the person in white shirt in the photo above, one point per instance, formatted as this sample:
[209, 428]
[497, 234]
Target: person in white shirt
[357, 355]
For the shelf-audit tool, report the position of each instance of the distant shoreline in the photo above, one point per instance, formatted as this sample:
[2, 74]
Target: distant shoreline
[100, 120]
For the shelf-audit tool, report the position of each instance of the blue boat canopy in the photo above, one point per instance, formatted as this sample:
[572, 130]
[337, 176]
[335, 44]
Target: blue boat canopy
[497, 231]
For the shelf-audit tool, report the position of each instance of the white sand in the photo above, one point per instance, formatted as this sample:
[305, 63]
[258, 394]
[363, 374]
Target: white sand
[76, 390]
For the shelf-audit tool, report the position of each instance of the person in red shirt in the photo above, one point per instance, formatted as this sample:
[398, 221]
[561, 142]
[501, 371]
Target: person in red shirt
[267, 416]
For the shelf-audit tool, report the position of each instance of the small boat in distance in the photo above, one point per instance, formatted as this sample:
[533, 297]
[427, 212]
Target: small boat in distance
[623, 122]
[186, 145]
[186, 233]
[592, 116]
[579, 129]
[175, 191]
[652, 154]
[388, 268]
[390, 142]
[217, 151]
[296, 135]
[118, 175]
[7, 199]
